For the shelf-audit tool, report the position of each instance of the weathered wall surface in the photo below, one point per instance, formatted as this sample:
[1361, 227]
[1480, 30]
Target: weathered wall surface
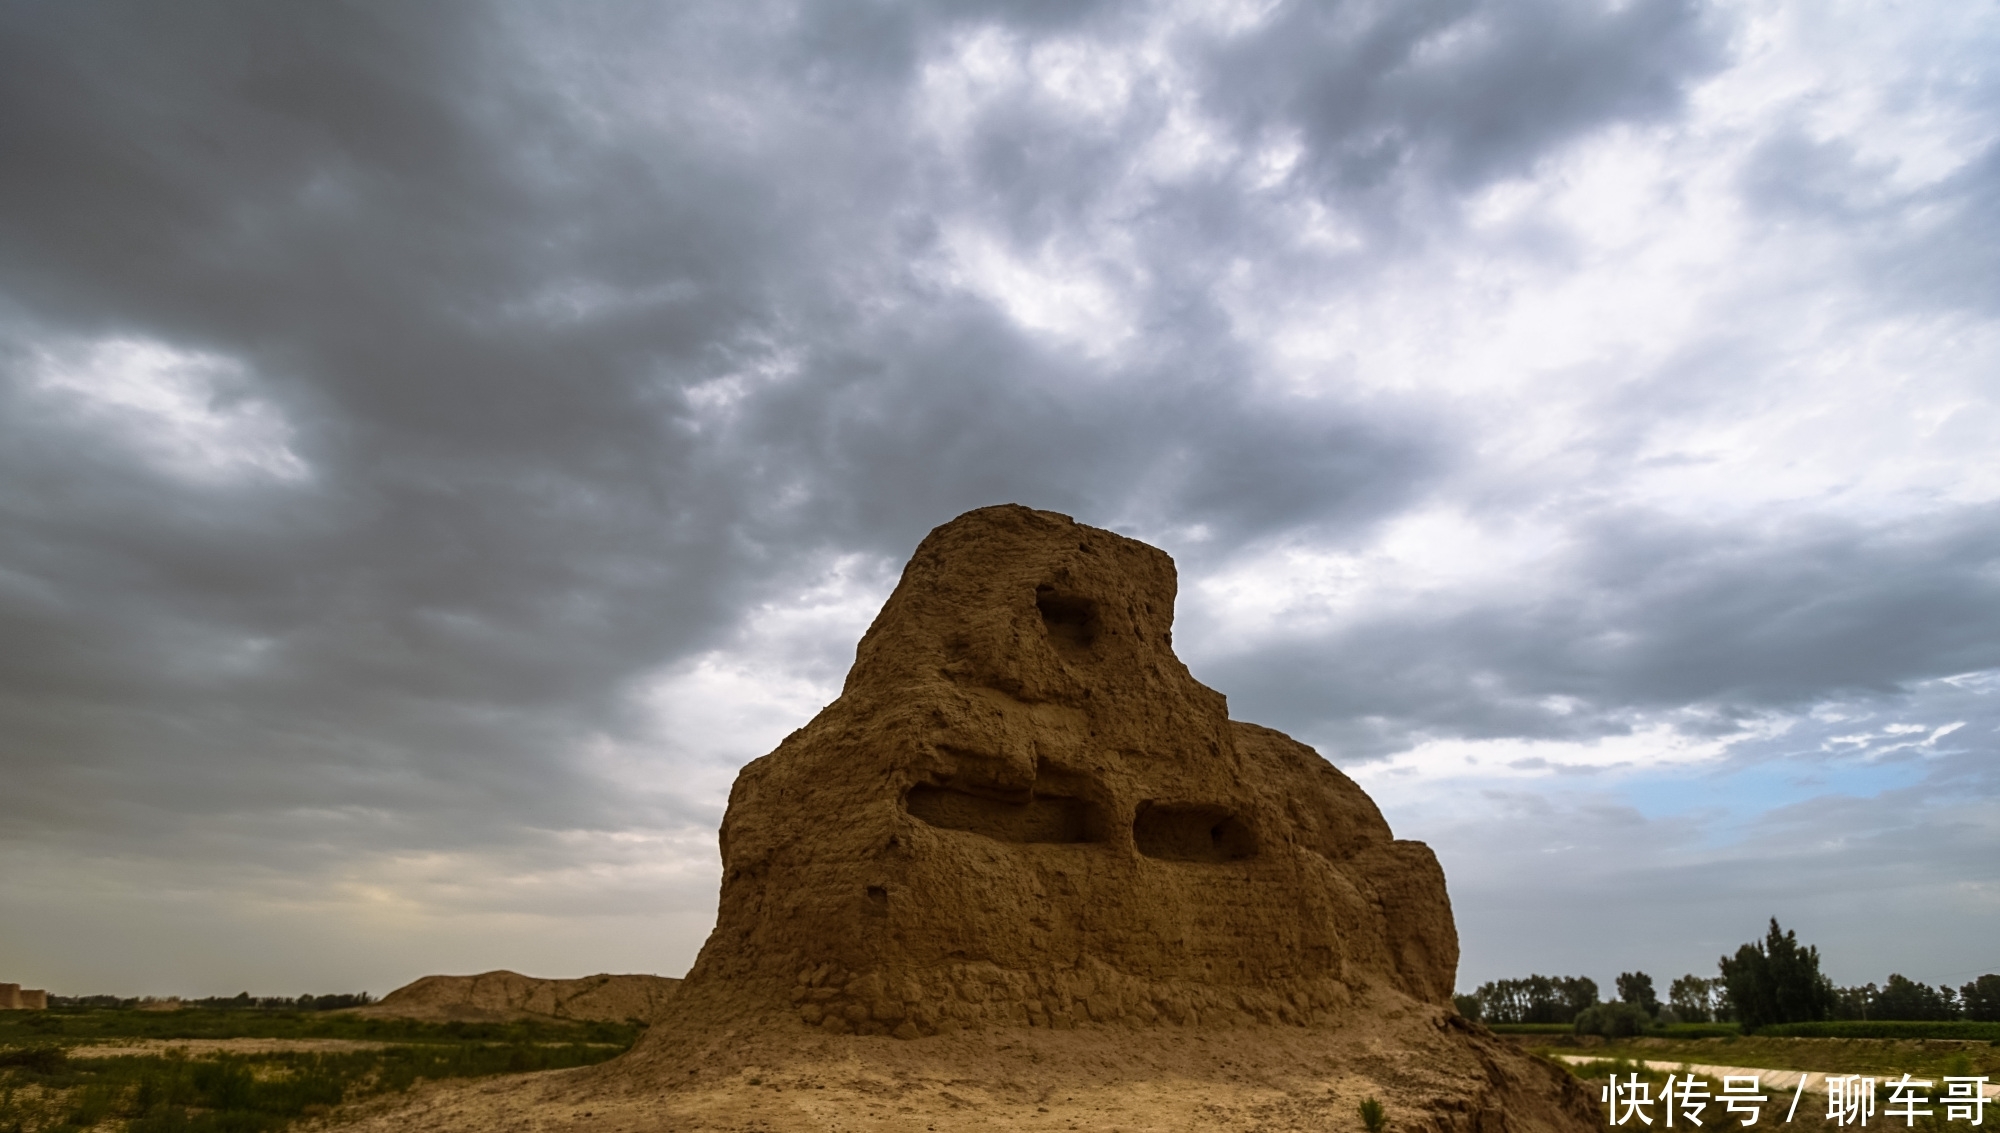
[14, 997]
[1024, 810]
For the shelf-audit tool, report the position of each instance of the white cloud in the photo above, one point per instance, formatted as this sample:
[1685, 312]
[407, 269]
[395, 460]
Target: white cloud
[710, 714]
[190, 413]
[1053, 290]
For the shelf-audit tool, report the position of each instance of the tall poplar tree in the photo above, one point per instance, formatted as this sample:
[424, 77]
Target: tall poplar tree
[1777, 982]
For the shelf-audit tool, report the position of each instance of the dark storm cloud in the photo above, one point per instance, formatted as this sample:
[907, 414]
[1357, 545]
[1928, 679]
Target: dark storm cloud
[350, 205]
[1453, 93]
[586, 331]
[1649, 616]
[961, 411]
[480, 303]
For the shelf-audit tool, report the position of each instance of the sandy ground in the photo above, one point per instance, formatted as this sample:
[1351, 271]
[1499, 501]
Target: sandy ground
[542, 1102]
[1036, 1080]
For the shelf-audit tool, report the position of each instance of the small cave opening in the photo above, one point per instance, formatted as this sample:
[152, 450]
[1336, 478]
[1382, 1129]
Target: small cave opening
[1071, 620]
[1030, 818]
[1178, 832]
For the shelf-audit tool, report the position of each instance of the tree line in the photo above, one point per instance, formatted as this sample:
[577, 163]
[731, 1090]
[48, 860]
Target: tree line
[242, 1001]
[1776, 980]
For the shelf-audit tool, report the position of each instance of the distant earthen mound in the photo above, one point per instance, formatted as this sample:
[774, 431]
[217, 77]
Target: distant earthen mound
[497, 997]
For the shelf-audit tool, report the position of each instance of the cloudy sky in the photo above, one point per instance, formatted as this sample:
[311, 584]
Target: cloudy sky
[439, 444]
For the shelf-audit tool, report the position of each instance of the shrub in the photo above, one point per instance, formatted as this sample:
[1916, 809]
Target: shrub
[40, 1059]
[1372, 1116]
[1613, 1020]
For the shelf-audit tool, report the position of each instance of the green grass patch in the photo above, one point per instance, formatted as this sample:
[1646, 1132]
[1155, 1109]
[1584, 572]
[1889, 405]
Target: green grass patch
[1674, 1031]
[1696, 1031]
[1878, 1029]
[43, 1089]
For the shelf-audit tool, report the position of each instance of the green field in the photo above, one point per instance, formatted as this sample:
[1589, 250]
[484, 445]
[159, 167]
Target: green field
[1861, 1029]
[1843, 1029]
[46, 1086]
[1674, 1030]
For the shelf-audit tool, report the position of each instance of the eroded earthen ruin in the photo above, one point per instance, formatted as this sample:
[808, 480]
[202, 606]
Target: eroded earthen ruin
[1025, 840]
[14, 997]
[1023, 811]
[504, 996]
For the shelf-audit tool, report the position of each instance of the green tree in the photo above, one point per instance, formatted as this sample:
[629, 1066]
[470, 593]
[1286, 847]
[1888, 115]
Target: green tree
[1695, 1000]
[1537, 999]
[1980, 999]
[1855, 1002]
[1636, 988]
[1903, 998]
[1777, 981]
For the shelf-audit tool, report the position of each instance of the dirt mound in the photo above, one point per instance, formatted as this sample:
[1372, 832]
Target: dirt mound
[1026, 868]
[1023, 811]
[503, 996]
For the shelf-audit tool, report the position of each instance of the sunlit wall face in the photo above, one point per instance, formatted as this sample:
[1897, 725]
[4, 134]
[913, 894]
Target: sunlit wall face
[439, 446]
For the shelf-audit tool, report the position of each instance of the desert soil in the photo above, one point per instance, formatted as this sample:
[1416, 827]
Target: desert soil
[869, 1103]
[1051, 1082]
[1260, 1078]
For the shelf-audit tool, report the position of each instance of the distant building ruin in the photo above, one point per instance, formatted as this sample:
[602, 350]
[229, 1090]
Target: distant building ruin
[13, 998]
